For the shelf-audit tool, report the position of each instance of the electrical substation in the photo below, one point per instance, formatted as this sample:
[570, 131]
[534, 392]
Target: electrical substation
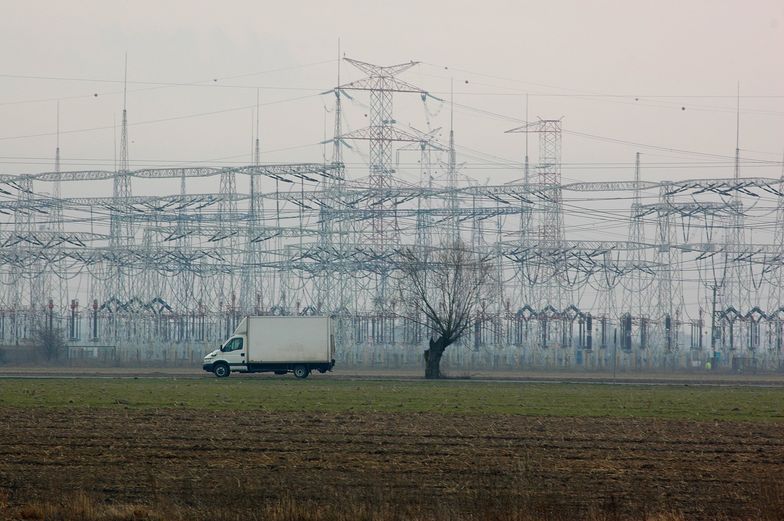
[165, 278]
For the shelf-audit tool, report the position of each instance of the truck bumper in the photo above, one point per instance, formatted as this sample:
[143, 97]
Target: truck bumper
[207, 367]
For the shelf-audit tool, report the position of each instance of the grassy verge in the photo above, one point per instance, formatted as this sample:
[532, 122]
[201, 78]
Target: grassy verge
[446, 397]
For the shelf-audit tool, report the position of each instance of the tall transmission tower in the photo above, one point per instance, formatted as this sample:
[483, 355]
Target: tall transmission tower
[121, 228]
[634, 295]
[121, 231]
[57, 206]
[250, 296]
[381, 83]
[549, 167]
[451, 172]
[228, 236]
[550, 226]
[668, 296]
[331, 286]
[734, 292]
[526, 218]
[56, 219]
[549, 208]
[337, 135]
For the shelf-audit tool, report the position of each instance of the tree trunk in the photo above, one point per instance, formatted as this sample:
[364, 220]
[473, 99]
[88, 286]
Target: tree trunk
[433, 359]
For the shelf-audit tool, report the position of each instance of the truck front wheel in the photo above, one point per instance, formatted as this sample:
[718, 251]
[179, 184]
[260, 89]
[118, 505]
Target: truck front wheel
[221, 370]
[301, 371]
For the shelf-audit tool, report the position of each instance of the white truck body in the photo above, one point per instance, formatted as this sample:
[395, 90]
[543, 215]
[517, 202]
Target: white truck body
[276, 344]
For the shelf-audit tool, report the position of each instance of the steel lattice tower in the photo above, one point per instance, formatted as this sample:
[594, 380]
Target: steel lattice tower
[634, 294]
[451, 172]
[250, 296]
[381, 83]
[524, 293]
[737, 293]
[550, 212]
[57, 206]
[228, 234]
[56, 219]
[668, 294]
[549, 167]
[550, 225]
[121, 229]
[121, 226]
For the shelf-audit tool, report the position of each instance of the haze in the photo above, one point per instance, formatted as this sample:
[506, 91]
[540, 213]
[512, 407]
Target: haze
[653, 73]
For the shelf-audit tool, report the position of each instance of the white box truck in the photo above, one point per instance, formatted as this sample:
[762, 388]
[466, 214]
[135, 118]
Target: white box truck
[276, 344]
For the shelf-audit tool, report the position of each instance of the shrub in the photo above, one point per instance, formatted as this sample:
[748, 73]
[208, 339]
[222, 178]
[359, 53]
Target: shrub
[49, 344]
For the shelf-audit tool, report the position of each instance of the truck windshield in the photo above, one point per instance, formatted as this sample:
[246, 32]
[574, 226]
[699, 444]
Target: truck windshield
[235, 344]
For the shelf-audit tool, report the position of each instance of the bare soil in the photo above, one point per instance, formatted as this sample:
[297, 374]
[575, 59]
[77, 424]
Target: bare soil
[449, 464]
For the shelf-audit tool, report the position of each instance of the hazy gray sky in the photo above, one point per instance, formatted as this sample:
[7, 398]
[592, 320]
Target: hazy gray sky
[660, 73]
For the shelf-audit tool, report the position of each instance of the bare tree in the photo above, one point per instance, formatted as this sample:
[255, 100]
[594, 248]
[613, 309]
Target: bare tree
[49, 343]
[442, 287]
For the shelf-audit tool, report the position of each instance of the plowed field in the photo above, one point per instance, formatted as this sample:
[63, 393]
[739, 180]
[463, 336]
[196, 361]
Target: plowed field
[452, 466]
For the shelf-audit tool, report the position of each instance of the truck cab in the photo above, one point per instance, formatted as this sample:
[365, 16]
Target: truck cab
[228, 357]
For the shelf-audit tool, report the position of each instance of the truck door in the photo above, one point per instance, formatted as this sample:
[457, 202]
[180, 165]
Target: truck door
[234, 353]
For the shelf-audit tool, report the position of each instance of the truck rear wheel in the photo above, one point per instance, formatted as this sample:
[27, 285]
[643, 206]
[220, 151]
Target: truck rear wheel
[301, 371]
[221, 370]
